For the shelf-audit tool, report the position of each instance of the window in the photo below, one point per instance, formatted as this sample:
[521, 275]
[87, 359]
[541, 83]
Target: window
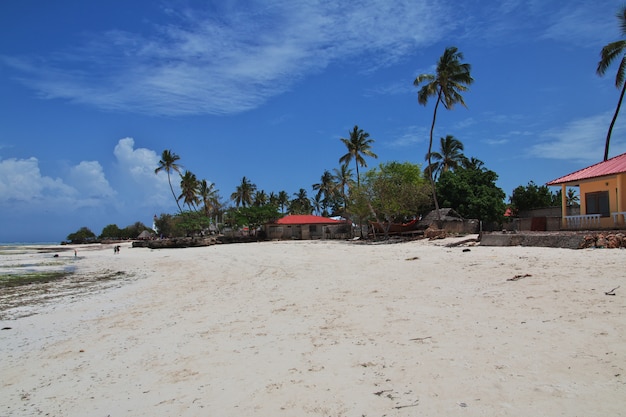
[312, 228]
[598, 203]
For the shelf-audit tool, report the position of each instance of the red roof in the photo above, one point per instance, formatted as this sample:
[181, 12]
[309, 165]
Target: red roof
[306, 219]
[613, 166]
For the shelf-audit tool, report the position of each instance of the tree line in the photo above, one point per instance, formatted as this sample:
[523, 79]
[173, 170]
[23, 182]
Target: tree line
[391, 192]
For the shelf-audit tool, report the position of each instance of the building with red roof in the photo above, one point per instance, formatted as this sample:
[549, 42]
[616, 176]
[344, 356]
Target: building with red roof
[307, 226]
[602, 191]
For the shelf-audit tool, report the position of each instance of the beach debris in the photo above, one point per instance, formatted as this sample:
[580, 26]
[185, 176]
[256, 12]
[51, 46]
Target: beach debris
[6, 328]
[415, 403]
[518, 277]
[421, 339]
[612, 292]
[462, 405]
[412, 259]
[379, 393]
[467, 250]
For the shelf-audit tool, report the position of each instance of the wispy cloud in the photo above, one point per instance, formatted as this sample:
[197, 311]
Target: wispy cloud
[581, 140]
[408, 137]
[198, 64]
[581, 24]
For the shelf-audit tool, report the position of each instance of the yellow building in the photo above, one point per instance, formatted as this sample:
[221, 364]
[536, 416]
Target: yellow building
[602, 191]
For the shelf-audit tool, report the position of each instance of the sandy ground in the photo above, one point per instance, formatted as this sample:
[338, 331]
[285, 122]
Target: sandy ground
[327, 329]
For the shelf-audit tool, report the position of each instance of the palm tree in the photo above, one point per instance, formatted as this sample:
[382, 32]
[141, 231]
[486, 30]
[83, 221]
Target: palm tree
[326, 190]
[208, 195]
[473, 164]
[450, 79]
[318, 205]
[244, 192]
[450, 156]
[359, 144]
[572, 198]
[343, 181]
[283, 200]
[189, 186]
[260, 198]
[168, 164]
[301, 203]
[610, 53]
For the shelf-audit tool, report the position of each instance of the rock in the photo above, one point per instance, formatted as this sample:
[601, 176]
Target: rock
[432, 233]
[182, 242]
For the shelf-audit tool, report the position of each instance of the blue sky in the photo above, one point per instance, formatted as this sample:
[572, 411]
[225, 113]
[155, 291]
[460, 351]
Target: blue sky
[93, 92]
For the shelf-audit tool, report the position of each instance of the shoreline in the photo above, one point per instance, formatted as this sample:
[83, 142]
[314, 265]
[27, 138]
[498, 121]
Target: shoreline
[321, 328]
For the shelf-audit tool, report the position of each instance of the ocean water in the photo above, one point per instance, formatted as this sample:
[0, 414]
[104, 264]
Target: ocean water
[29, 244]
[20, 258]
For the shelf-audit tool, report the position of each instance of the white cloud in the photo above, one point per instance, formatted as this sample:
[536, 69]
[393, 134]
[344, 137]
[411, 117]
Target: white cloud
[89, 179]
[135, 171]
[21, 181]
[200, 65]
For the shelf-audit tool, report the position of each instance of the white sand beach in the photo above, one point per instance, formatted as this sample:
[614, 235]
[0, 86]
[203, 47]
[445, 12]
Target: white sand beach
[327, 328]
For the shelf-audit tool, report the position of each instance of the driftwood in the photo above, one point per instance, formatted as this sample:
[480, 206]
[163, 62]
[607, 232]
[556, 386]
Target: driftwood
[518, 277]
[421, 338]
[612, 292]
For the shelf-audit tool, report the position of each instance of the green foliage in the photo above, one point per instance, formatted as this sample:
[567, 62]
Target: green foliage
[134, 230]
[533, 196]
[472, 192]
[393, 192]
[83, 235]
[111, 231]
[300, 204]
[190, 223]
[252, 216]
[165, 225]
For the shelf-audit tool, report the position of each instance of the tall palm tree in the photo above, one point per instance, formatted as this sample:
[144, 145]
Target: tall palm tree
[448, 158]
[244, 192]
[168, 164]
[608, 55]
[359, 144]
[189, 186]
[451, 78]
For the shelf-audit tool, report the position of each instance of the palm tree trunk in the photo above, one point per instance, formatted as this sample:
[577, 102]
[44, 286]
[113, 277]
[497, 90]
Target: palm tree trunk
[608, 136]
[173, 193]
[430, 171]
[358, 186]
